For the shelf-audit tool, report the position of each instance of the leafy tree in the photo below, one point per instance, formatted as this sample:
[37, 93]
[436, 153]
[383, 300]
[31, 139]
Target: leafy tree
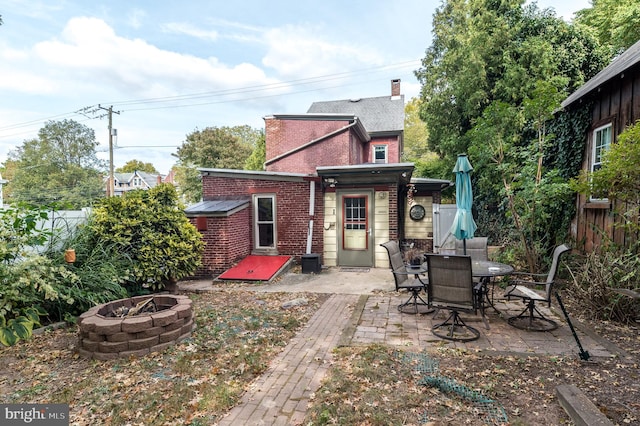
[485, 51]
[133, 165]
[8, 170]
[480, 81]
[60, 166]
[151, 229]
[616, 23]
[415, 133]
[258, 156]
[213, 147]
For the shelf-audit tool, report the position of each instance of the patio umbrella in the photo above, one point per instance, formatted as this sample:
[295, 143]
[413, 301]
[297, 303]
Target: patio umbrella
[463, 226]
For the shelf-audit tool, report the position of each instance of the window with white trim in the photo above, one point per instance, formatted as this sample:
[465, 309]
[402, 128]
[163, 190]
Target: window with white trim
[264, 221]
[380, 154]
[601, 143]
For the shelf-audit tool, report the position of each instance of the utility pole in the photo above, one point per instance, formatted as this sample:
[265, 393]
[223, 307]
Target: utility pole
[110, 111]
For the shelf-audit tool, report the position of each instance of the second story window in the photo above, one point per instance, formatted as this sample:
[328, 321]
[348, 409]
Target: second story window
[136, 181]
[380, 154]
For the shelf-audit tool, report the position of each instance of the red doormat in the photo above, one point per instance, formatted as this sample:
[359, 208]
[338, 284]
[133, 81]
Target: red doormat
[255, 268]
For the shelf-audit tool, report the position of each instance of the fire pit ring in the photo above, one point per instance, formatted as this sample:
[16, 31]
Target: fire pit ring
[105, 337]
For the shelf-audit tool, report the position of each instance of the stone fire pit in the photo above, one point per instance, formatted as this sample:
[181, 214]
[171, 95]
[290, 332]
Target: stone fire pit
[104, 336]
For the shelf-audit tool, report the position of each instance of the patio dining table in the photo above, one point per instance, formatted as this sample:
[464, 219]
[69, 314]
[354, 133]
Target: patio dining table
[485, 270]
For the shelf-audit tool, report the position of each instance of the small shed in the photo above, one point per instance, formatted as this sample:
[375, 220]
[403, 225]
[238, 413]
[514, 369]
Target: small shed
[223, 223]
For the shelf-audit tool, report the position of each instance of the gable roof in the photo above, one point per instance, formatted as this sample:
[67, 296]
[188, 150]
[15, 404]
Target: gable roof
[150, 179]
[379, 115]
[626, 60]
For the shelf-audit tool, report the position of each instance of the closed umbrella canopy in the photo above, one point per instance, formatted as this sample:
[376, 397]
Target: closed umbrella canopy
[463, 226]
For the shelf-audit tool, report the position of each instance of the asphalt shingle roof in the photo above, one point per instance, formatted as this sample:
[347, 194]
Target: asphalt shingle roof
[381, 114]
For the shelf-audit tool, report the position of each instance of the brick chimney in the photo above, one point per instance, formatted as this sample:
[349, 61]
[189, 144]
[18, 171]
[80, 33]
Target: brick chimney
[395, 87]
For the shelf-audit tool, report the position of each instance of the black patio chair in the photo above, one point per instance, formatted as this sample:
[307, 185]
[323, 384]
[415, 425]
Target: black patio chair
[405, 283]
[451, 287]
[531, 318]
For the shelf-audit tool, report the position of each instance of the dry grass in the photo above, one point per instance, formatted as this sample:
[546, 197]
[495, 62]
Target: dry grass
[194, 382]
[238, 333]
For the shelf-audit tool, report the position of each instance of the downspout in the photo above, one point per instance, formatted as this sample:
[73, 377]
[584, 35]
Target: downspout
[312, 202]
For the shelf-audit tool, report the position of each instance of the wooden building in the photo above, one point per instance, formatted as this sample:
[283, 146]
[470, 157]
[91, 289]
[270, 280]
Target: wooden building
[615, 96]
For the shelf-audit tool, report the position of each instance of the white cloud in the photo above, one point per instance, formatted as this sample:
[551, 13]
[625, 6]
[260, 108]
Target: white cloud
[297, 50]
[90, 51]
[190, 30]
[135, 17]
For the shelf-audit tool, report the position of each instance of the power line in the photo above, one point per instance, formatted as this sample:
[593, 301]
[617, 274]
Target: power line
[218, 93]
[271, 86]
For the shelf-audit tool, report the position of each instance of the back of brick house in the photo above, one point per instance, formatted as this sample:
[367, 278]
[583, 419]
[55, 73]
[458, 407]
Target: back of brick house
[334, 185]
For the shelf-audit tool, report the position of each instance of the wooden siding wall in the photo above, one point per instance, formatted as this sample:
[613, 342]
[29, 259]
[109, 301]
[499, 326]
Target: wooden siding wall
[420, 232]
[616, 102]
[381, 228]
[385, 221]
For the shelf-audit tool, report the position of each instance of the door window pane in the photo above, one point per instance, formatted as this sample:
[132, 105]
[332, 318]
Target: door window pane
[355, 213]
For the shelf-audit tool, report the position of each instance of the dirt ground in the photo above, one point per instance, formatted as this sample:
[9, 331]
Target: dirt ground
[37, 370]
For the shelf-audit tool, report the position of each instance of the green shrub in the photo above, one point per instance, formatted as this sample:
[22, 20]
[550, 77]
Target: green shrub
[151, 229]
[26, 277]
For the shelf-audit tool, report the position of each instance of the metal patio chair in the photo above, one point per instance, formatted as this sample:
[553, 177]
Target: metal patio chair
[451, 287]
[404, 282]
[531, 318]
[477, 248]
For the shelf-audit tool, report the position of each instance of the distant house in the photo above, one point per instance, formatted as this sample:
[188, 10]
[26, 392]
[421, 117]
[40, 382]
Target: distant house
[334, 186]
[615, 94]
[2, 182]
[124, 182]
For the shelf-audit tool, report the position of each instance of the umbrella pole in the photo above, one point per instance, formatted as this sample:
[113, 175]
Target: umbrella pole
[464, 246]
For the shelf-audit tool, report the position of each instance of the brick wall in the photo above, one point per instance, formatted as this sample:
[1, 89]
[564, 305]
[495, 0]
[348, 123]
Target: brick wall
[231, 238]
[282, 136]
[393, 211]
[393, 149]
[329, 152]
[227, 240]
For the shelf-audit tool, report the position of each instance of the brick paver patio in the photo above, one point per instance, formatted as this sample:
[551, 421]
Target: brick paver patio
[281, 395]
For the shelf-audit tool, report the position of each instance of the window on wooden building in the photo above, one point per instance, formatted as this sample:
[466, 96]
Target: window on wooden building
[601, 143]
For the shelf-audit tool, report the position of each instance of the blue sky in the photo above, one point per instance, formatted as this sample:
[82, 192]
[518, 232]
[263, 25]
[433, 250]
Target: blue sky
[171, 67]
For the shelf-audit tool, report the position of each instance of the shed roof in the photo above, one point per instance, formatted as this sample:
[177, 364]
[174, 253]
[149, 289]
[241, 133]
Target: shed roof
[222, 206]
[379, 114]
[429, 184]
[619, 65]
